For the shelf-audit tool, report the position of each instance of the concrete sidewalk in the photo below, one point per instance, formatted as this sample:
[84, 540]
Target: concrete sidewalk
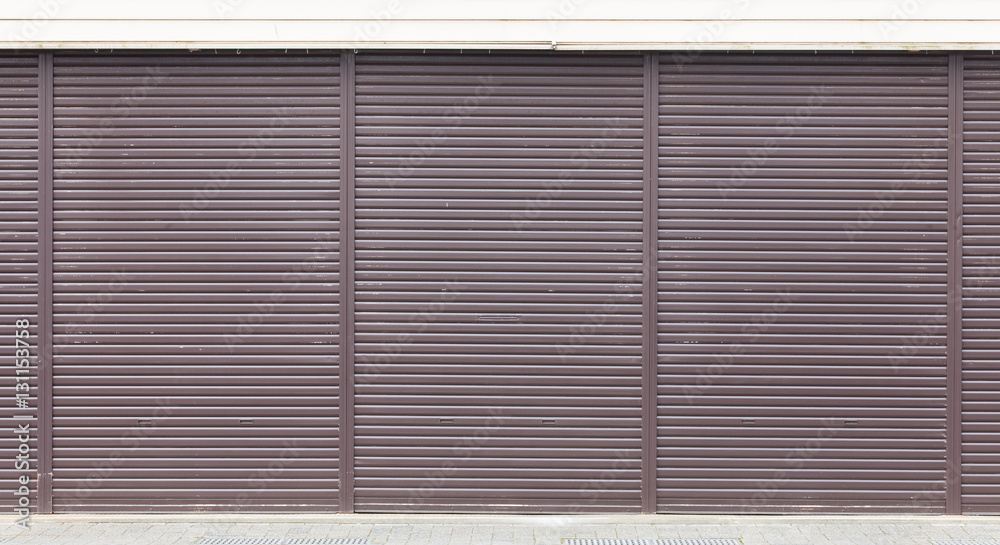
[211, 529]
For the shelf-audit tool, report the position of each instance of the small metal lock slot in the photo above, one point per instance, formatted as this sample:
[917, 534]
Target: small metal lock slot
[448, 421]
[145, 423]
[850, 422]
[548, 421]
[246, 422]
[749, 421]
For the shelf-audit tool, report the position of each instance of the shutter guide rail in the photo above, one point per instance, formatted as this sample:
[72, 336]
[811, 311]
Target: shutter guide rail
[953, 424]
[649, 279]
[45, 284]
[347, 166]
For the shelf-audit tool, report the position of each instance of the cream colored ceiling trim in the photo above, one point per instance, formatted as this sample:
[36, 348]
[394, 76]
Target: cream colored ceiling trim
[504, 24]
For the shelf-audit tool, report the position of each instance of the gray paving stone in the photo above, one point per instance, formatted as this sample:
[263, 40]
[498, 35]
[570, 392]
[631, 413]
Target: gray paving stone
[501, 530]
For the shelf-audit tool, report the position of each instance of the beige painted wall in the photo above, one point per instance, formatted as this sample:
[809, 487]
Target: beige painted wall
[531, 24]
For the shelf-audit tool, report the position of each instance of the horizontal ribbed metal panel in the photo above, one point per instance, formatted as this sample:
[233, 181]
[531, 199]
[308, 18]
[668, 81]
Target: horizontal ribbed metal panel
[802, 283]
[196, 282]
[18, 259]
[981, 288]
[499, 250]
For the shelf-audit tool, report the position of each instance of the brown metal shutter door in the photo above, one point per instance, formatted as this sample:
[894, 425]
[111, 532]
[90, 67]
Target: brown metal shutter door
[18, 254]
[981, 292]
[196, 259]
[802, 284]
[499, 230]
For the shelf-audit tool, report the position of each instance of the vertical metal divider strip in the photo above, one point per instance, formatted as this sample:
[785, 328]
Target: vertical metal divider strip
[953, 424]
[45, 350]
[347, 283]
[649, 280]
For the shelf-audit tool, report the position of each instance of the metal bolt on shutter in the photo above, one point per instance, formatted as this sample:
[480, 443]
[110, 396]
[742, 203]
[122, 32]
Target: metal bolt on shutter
[18, 256]
[499, 249]
[802, 288]
[196, 282]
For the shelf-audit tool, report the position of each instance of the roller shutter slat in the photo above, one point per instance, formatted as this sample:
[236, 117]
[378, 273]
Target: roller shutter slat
[196, 283]
[503, 245]
[802, 264]
[18, 258]
[981, 288]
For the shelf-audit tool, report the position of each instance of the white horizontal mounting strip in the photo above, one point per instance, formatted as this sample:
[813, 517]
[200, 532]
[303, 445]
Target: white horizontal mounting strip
[510, 24]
